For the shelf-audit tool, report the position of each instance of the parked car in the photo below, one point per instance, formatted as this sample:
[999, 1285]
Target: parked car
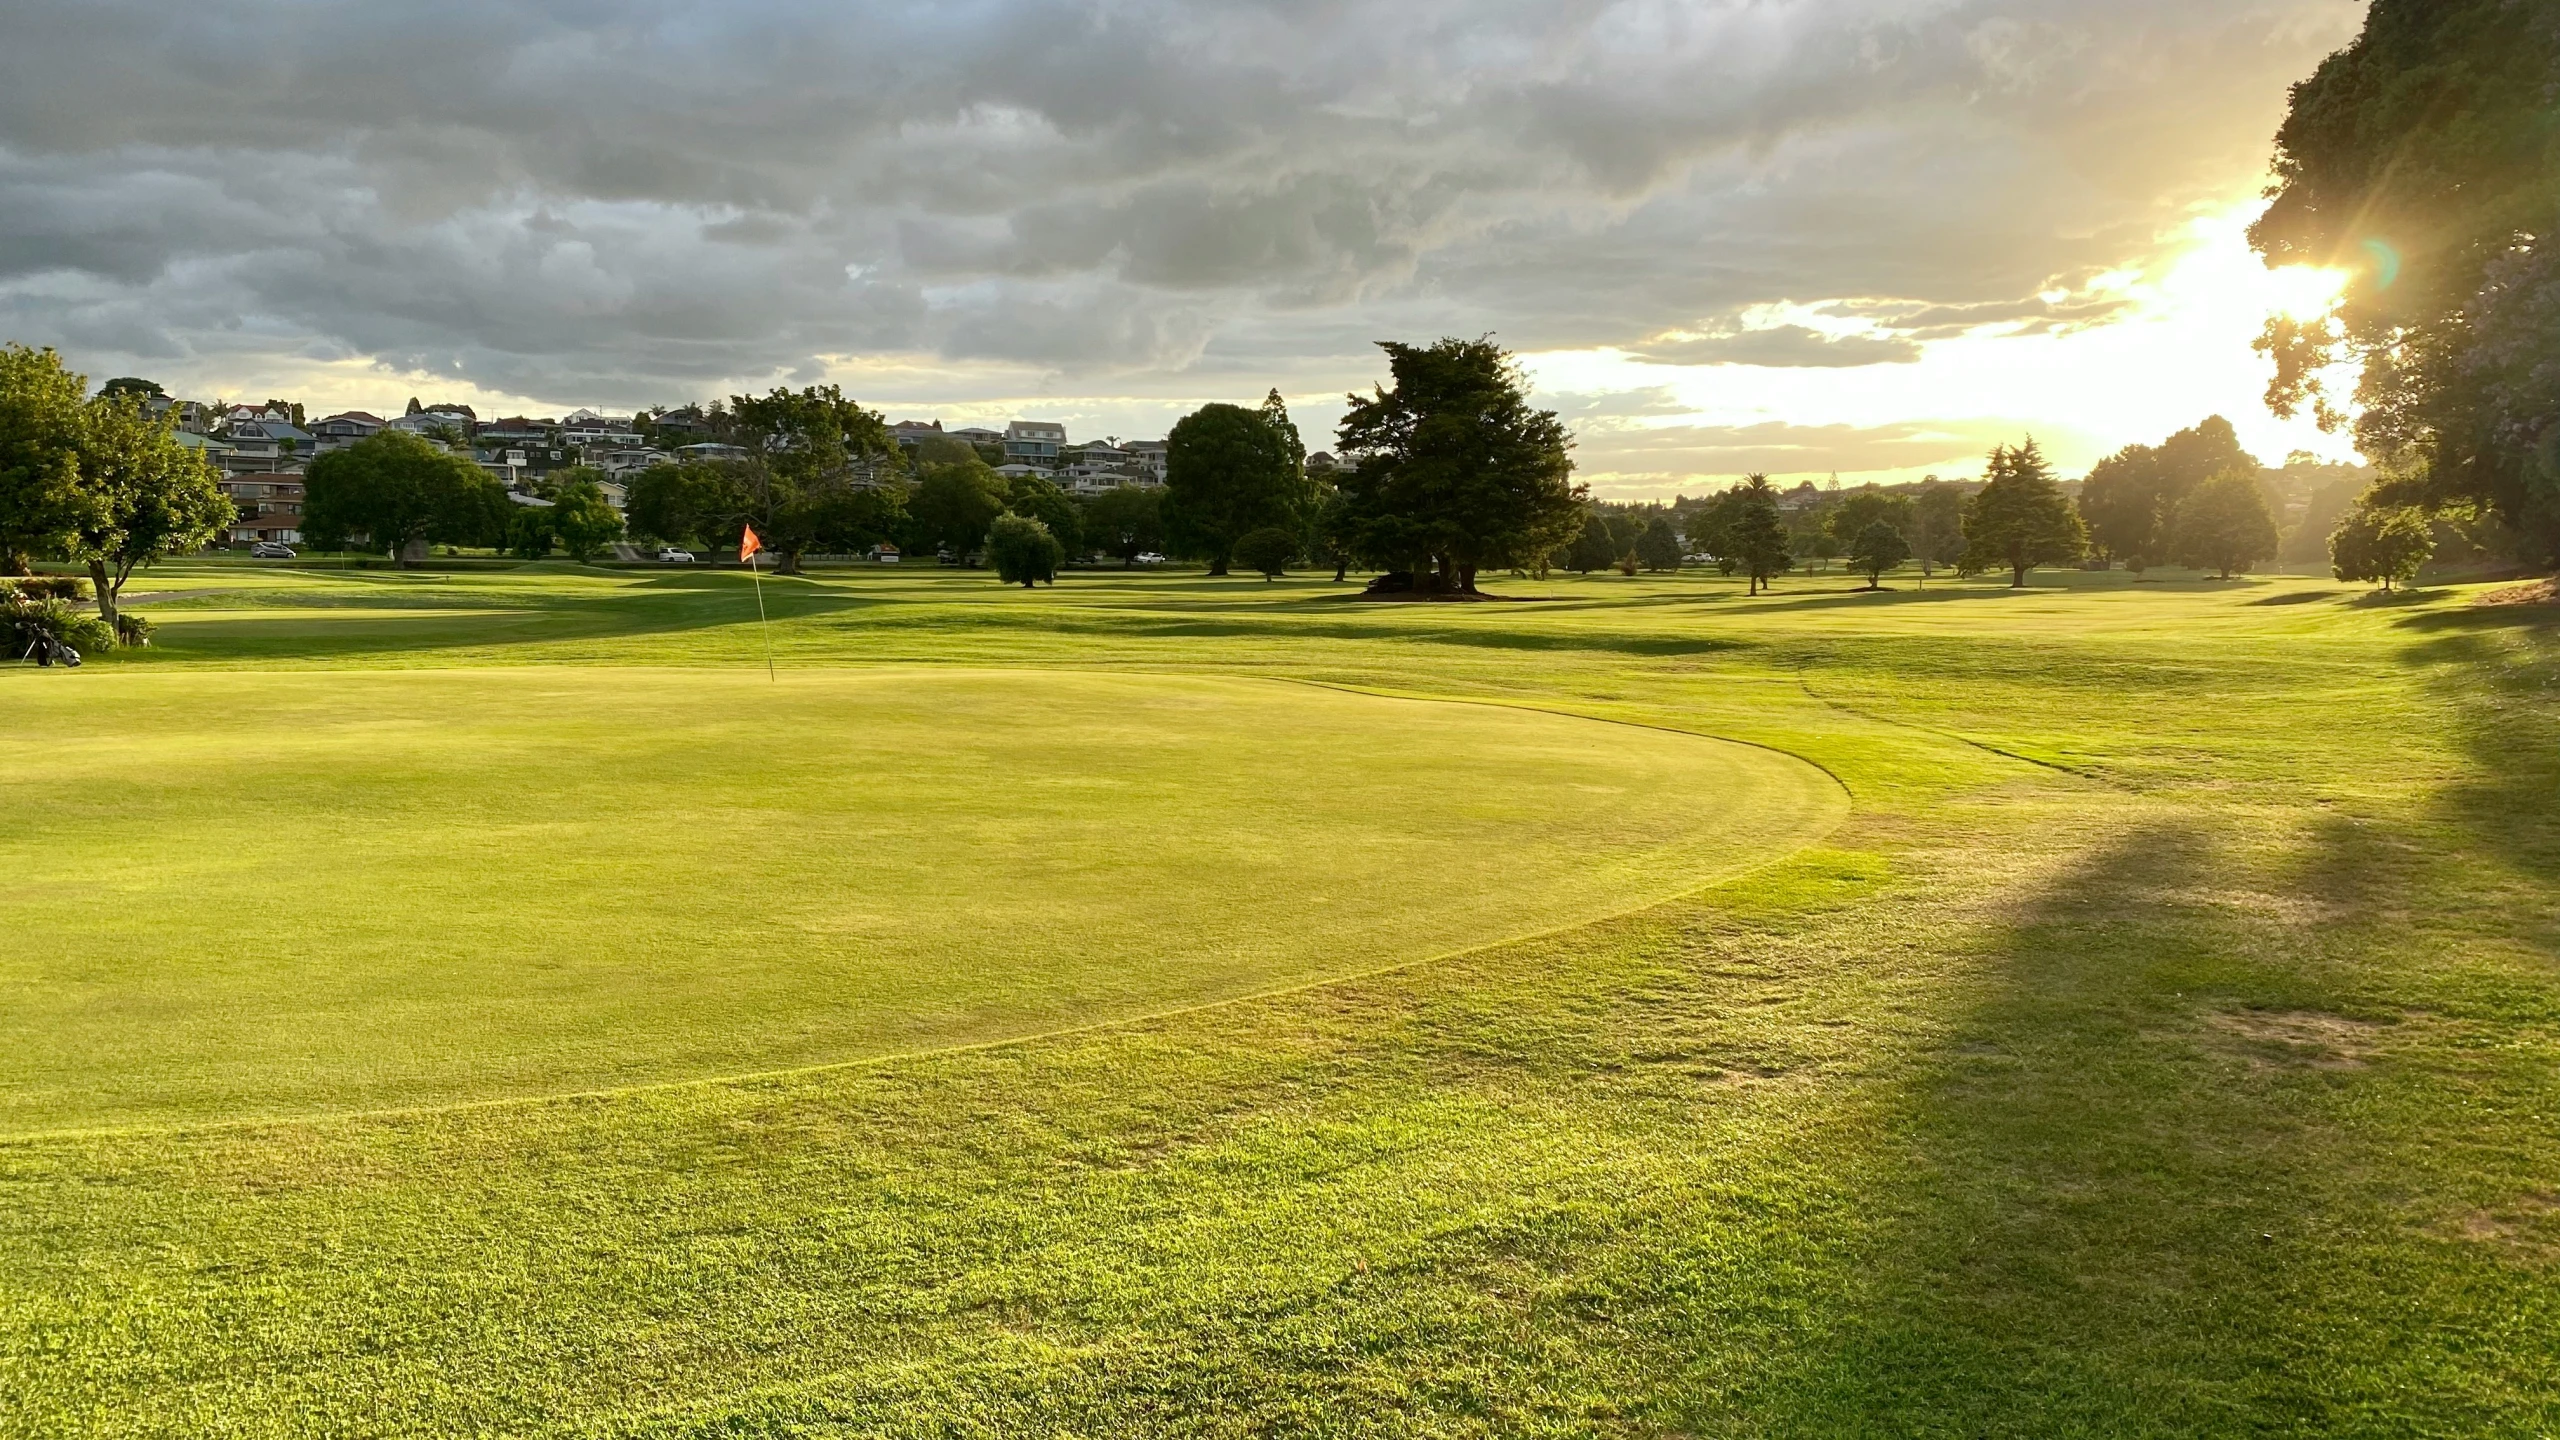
[270, 550]
[1150, 558]
[673, 556]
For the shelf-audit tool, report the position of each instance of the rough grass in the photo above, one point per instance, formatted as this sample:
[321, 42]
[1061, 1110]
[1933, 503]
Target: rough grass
[2164, 1045]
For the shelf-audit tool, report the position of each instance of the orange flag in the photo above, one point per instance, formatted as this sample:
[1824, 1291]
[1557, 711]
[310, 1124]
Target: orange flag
[748, 544]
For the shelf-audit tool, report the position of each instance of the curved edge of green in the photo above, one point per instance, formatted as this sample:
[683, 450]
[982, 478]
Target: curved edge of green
[1815, 825]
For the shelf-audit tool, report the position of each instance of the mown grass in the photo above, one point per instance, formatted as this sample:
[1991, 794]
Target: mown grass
[2163, 1045]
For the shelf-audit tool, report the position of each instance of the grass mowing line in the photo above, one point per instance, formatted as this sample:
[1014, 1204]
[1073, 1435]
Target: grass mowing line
[754, 1077]
[1846, 794]
[1848, 709]
[1797, 839]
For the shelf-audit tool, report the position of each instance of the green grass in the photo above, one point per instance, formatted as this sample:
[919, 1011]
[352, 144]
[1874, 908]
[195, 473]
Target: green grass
[249, 895]
[2164, 1043]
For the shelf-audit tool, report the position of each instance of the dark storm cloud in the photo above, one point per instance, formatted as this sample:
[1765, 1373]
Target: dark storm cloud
[564, 197]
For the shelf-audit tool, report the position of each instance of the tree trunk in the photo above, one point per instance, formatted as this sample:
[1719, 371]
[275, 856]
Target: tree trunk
[412, 551]
[1467, 580]
[2017, 577]
[1217, 564]
[106, 593]
[1340, 568]
[787, 562]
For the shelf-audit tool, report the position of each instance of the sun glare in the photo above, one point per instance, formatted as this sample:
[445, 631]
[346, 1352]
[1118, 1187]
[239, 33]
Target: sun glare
[2304, 292]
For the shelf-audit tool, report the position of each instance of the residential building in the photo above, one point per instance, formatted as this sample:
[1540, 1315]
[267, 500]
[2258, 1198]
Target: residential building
[1147, 457]
[977, 435]
[712, 450]
[266, 446]
[912, 433]
[270, 509]
[341, 430]
[1034, 442]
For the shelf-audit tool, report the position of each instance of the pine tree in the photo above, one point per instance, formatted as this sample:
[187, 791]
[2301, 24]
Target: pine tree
[2020, 519]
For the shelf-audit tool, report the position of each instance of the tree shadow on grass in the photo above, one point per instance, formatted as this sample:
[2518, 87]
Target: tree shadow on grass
[2152, 1183]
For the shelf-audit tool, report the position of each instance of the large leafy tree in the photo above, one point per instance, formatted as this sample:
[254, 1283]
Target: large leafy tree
[1452, 471]
[42, 504]
[1863, 507]
[1936, 528]
[1023, 551]
[1875, 549]
[151, 496]
[1126, 521]
[824, 477]
[2225, 525]
[2132, 496]
[1037, 497]
[699, 503]
[1710, 529]
[1595, 547]
[2425, 157]
[2020, 518]
[2380, 541]
[1659, 546]
[952, 507]
[399, 494]
[1230, 471]
[1757, 533]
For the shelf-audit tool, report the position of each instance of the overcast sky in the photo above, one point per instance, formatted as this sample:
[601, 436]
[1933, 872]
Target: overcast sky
[1864, 236]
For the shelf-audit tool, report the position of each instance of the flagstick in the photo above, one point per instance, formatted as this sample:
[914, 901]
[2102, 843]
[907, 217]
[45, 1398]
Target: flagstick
[762, 628]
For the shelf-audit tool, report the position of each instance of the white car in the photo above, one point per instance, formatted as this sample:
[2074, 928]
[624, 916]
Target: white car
[270, 550]
[673, 556]
[1151, 558]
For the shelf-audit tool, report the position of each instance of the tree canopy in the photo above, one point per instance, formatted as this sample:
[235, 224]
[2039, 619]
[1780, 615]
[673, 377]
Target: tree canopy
[952, 507]
[1228, 471]
[1023, 551]
[1659, 546]
[1451, 471]
[1936, 528]
[42, 505]
[2381, 542]
[150, 496]
[398, 493]
[1267, 551]
[1756, 533]
[1875, 549]
[2020, 518]
[822, 480]
[2131, 498]
[1126, 521]
[2225, 525]
[2425, 159]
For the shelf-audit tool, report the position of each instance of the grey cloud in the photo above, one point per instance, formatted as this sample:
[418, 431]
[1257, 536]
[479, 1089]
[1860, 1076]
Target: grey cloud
[570, 198]
[1781, 345]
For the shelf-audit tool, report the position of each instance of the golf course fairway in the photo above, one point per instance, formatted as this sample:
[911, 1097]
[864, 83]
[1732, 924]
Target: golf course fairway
[246, 895]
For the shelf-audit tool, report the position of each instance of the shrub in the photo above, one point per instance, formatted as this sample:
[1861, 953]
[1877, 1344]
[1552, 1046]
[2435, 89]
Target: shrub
[1023, 550]
[58, 587]
[1267, 551]
[24, 617]
[132, 629]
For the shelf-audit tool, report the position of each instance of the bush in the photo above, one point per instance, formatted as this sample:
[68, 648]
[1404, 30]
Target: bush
[1023, 550]
[58, 587]
[132, 629]
[24, 617]
[1267, 551]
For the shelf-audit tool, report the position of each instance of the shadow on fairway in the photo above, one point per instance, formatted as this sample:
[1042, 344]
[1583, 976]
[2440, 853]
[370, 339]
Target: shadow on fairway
[2180, 1167]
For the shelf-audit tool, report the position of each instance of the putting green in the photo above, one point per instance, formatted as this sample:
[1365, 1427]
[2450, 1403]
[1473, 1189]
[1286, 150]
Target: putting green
[243, 894]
